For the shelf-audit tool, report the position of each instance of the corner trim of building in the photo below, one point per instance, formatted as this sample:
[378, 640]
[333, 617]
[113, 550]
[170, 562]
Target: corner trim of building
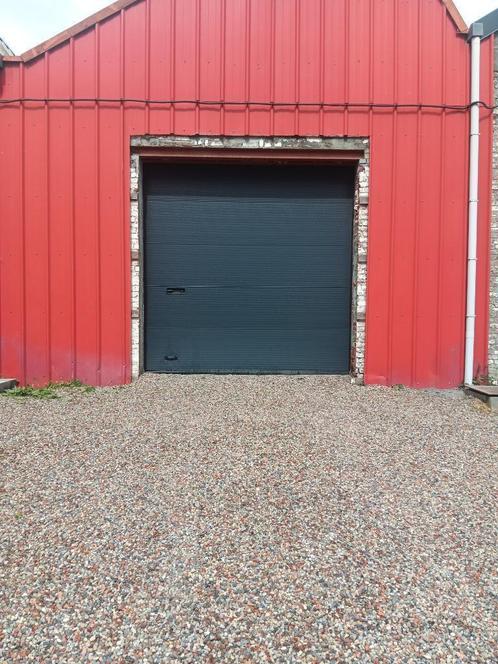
[328, 147]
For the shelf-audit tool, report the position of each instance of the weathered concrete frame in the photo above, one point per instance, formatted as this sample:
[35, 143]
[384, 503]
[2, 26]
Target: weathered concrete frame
[333, 146]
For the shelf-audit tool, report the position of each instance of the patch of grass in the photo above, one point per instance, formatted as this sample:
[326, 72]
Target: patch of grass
[68, 384]
[31, 392]
[49, 391]
[72, 385]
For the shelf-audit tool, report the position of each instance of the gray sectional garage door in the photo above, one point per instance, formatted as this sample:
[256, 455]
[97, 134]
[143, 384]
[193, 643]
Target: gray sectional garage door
[248, 268]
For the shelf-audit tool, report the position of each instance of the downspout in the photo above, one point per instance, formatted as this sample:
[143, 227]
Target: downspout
[476, 32]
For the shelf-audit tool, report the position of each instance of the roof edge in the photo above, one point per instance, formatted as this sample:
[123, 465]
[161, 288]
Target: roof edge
[74, 30]
[458, 19]
[116, 7]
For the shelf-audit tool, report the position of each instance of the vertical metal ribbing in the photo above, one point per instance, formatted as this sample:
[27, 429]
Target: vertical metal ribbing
[223, 38]
[297, 51]
[172, 63]
[273, 45]
[394, 184]
[147, 64]
[371, 64]
[442, 201]
[418, 166]
[347, 56]
[198, 37]
[73, 208]
[321, 56]
[49, 234]
[23, 216]
[247, 86]
[98, 242]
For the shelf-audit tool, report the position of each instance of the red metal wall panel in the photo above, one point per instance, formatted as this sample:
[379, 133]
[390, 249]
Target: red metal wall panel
[64, 209]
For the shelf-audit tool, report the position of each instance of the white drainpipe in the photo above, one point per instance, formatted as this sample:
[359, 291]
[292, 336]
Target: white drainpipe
[475, 44]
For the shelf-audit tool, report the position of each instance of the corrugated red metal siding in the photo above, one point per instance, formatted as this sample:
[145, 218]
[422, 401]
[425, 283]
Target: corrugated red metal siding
[64, 210]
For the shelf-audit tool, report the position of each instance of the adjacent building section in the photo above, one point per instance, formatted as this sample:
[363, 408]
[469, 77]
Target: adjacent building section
[493, 317]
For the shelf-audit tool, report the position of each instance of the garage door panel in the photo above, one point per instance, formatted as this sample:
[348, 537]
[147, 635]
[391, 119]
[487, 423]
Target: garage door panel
[172, 265]
[242, 350]
[283, 308]
[248, 268]
[241, 181]
[245, 222]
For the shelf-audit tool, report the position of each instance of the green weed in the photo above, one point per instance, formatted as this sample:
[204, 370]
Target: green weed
[67, 384]
[72, 385]
[49, 391]
[31, 392]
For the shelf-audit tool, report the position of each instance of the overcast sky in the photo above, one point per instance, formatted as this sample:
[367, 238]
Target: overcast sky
[26, 23]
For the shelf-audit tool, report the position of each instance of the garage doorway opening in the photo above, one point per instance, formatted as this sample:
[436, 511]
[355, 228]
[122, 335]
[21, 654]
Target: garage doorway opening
[248, 261]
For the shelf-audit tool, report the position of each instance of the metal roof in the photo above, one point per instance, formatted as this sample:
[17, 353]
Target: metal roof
[489, 25]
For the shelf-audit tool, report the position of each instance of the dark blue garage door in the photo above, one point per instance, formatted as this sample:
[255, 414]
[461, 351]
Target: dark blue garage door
[248, 268]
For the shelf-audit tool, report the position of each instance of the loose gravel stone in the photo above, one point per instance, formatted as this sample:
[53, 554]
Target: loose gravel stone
[248, 519]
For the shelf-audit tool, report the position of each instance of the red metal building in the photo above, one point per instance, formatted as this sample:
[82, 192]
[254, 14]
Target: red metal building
[78, 112]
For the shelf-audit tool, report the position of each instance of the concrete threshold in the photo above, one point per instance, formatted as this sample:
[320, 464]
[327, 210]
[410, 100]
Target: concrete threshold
[486, 393]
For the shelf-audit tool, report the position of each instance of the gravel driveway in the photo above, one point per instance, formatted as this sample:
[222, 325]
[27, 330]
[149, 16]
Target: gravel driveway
[248, 519]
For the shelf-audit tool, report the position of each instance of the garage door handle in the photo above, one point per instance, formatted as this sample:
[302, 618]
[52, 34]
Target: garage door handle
[171, 358]
[175, 291]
